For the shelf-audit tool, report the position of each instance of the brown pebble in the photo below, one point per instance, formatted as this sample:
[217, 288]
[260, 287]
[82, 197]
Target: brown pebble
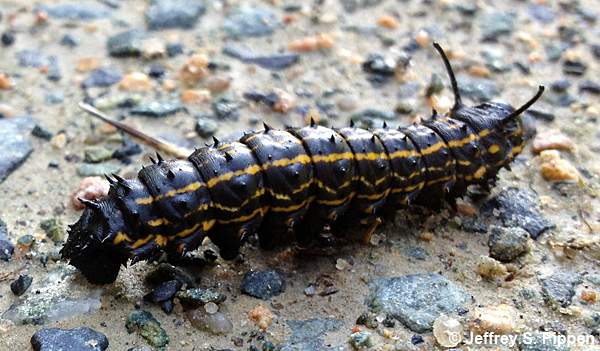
[489, 268]
[59, 140]
[218, 84]
[426, 236]
[320, 41]
[422, 38]
[90, 188]
[552, 140]
[261, 316]
[284, 102]
[387, 21]
[194, 70]
[588, 296]
[556, 169]
[466, 209]
[479, 71]
[7, 110]
[5, 82]
[87, 64]
[136, 81]
[195, 96]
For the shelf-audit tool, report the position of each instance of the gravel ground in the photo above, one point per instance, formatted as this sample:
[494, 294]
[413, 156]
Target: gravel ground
[521, 261]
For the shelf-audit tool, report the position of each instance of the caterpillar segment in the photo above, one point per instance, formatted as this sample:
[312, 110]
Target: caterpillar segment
[306, 185]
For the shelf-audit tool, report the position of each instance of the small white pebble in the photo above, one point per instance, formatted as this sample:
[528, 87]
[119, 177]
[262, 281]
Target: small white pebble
[211, 308]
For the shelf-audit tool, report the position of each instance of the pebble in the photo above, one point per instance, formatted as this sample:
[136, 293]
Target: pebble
[347, 103]
[77, 339]
[96, 169]
[506, 244]
[361, 340]
[96, 154]
[128, 148]
[574, 67]
[53, 228]
[380, 68]
[5, 82]
[552, 139]
[225, 108]
[144, 324]
[195, 297]
[248, 21]
[554, 168]
[75, 11]
[319, 42]
[165, 14]
[8, 38]
[129, 43]
[206, 126]
[211, 308]
[589, 86]
[153, 48]
[309, 334]
[69, 40]
[448, 331]
[275, 62]
[195, 96]
[90, 188]
[3, 230]
[499, 319]
[102, 77]
[21, 284]
[263, 284]
[164, 291]
[495, 24]
[517, 207]
[490, 269]
[14, 143]
[6, 250]
[135, 82]
[408, 299]
[478, 89]
[558, 288]
[194, 70]
[157, 108]
[388, 21]
[215, 323]
[217, 84]
[261, 316]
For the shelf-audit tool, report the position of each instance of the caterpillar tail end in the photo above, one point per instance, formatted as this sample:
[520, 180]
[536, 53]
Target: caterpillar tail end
[99, 263]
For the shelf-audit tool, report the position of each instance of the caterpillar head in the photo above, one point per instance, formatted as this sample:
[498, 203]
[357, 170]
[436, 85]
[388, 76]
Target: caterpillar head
[502, 121]
[87, 247]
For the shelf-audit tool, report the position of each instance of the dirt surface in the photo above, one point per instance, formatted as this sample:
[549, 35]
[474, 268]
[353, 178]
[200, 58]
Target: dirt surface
[543, 40]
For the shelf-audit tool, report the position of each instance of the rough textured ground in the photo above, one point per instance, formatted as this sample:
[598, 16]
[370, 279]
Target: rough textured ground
[501, 51]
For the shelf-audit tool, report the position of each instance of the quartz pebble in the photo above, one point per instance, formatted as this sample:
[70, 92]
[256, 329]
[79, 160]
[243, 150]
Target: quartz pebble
[320, 41]
[447, 330]
[195, 96]
[556, 169]
[135, 81]
[90, 188]
[216, 323]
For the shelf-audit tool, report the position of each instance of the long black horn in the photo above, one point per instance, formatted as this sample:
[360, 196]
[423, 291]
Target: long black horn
[527, 105]
[457, 98]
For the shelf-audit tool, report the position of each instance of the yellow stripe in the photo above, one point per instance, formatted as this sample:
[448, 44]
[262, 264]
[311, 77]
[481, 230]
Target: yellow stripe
[260, 210]
[336, 202]
[120, 237]
[293, 207]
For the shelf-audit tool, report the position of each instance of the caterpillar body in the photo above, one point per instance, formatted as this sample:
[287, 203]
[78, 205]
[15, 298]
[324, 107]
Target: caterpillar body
[297, 183]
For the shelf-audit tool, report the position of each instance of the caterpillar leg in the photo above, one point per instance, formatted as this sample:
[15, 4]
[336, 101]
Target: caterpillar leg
[371, 224]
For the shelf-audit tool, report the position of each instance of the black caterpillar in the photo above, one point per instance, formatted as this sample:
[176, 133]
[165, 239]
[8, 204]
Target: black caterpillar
[305, 184]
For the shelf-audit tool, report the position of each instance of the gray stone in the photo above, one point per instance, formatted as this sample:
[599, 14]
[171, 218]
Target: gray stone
[128, 43]
[14, 143]
[206, 126]
[163, 14]
[97, 169]
[144, 324]
[263, 284]
[78, 339]
[495, 24]
[54, 300]
[354, 5]
[559, 288]
[506, 244]
[31, 58]
[102, 77]
[251, 22]
[75, 11]
[6, 250]
[540, 341]
[478, 89]
[416, 300]
[541, 13]
[518, 208]
[157, 109]
[273, 62]
[307, 335]
[3, 230]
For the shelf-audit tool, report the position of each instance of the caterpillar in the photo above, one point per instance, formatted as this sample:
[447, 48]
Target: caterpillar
[303, 184]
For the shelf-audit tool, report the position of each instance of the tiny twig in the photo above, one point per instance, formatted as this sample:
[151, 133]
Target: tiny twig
[155, 142]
